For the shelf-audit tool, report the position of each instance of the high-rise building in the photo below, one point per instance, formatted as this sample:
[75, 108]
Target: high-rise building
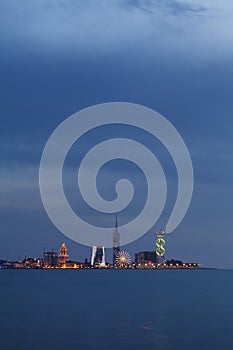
[63, 256]
[50, 259]
[160, 246]
[148, 257]
[116, 242]
[98, 256]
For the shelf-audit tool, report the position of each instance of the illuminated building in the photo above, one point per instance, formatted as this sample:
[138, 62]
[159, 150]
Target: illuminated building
[7, 265]
[116, 242]
[98, 256]
[2, 263]
[143, 258]
[50, 259]
[160, 247]
[63, 256]
[31, 263]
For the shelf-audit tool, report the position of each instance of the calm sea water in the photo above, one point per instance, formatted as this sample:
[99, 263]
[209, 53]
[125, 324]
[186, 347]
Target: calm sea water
[104, 309]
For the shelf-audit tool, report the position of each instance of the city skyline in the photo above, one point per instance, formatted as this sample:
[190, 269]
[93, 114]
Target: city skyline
[121, 260]
[176, 68]
[116, 170]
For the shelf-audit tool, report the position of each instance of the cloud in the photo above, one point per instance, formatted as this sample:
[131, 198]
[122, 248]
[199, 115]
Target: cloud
[170, 6]
[19, 188]
[77, 27]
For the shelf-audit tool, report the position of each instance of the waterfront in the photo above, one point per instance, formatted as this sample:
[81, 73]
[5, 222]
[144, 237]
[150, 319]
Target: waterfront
[111, 309]
[121, 260]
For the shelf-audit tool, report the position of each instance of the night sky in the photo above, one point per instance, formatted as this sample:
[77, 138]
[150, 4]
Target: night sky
[57, 57]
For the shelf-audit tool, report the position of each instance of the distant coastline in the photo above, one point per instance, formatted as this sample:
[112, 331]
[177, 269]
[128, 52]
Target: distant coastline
[144, 260]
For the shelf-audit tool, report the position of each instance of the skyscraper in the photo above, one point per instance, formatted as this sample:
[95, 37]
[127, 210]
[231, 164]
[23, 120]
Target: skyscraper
[98, 256]
[63, 256]
[50, 259]
[116, 242]
[160, 246]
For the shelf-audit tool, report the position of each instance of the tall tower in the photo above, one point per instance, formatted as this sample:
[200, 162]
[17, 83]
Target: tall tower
[116, 242]
[98, 256]
[63, 256]
[93, 254]
[160, 246]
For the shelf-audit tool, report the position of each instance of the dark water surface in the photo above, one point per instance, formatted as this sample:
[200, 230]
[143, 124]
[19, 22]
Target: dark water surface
[106, 309]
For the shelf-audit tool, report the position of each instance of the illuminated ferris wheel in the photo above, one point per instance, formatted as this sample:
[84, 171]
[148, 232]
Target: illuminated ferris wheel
[123, 258]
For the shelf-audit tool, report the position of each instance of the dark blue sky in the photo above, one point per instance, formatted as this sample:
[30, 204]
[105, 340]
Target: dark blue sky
[58, 57]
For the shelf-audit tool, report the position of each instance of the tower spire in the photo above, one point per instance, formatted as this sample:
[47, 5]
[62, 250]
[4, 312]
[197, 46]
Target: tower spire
[116, 241]
[116, 224]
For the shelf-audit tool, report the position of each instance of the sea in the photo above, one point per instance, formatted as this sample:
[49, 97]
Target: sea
[116, 309]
